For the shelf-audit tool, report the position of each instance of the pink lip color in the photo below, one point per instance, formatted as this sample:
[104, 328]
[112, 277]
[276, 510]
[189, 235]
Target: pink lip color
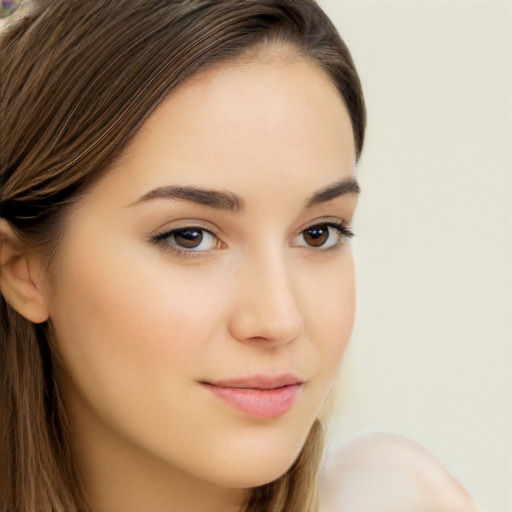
[259, 397]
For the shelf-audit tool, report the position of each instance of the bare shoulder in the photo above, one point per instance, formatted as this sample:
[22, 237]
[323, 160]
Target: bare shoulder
[381, 472]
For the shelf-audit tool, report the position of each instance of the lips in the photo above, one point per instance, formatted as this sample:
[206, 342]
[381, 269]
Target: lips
[262, 382]
[259, 396]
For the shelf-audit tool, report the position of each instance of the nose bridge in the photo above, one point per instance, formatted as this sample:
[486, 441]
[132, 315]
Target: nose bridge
[266, 307]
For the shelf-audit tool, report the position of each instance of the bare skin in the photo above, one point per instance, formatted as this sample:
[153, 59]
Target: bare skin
[146, 321]
[381, 472]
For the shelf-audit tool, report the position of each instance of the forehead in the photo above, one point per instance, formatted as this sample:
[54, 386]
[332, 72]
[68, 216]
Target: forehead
[273, 119]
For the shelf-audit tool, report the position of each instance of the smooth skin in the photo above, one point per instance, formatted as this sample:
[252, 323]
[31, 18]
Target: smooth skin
[260, 283]
[384, 472]
[139, 325]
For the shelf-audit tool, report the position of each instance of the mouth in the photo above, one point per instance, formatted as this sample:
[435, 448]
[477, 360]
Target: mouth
[259, 396]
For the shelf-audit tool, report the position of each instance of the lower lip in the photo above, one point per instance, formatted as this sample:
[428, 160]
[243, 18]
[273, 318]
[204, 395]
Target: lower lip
[259, 403]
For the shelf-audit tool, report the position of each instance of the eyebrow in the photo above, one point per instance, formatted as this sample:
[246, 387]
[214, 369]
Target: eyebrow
[338, 189]
[230, 201]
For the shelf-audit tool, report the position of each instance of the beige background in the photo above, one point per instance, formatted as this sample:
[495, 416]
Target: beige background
[431, 355]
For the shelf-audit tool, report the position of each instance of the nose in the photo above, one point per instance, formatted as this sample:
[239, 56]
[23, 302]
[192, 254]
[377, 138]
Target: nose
[265, 309]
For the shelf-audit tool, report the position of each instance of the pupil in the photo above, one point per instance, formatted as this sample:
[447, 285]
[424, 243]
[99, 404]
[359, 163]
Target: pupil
[316, 236]
[188, 238]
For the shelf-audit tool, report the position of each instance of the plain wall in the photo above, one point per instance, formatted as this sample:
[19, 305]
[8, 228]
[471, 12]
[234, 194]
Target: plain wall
[431, 355]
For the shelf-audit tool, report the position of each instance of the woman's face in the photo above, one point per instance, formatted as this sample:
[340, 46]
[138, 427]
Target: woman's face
[205, 292]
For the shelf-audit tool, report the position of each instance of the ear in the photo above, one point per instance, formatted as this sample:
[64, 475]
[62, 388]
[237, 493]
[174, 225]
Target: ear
[18, 269]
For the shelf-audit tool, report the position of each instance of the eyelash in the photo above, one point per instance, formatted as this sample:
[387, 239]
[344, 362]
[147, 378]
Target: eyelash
[160, 238]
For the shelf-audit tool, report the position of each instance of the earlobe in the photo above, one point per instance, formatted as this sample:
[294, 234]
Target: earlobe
[17, 282]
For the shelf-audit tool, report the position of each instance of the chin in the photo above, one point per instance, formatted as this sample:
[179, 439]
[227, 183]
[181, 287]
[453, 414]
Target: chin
[256, 465]
[251, 475]
[265, 454]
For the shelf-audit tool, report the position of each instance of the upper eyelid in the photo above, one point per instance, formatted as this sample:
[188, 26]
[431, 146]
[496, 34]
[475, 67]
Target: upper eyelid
[329, 220]
[206, 226]
[182, 224]
[337, 223]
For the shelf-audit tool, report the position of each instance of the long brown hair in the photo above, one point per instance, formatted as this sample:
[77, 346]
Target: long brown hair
[79, 78]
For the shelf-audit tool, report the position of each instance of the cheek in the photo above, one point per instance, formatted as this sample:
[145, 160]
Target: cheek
[126, 328]
[133, 339]
[330, 320]
[136, 336]
[331, 311]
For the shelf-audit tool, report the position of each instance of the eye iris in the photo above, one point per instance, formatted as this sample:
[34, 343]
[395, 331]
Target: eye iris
[188, 238]
[316, 236]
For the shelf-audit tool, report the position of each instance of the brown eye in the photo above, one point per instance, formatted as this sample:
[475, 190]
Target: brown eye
[188, 238]
[316, 236]
[322, 237]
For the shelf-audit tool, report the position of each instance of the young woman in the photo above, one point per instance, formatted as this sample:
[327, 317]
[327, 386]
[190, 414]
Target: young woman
[177, 284]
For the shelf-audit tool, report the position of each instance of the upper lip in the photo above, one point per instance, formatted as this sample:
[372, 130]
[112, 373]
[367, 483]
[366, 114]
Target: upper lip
[259, 381]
